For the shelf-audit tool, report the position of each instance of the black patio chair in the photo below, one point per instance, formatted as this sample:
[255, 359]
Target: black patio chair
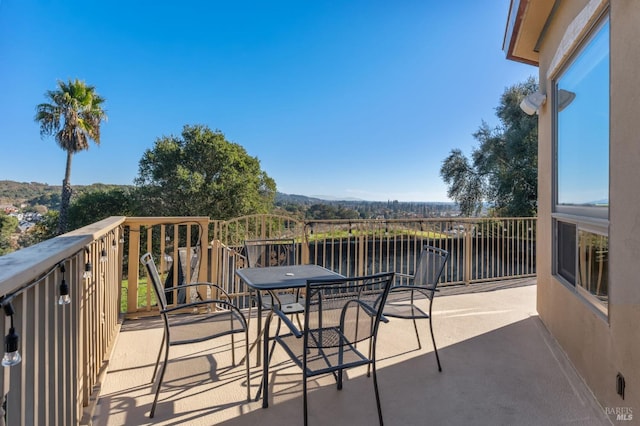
[275, 252]
[339, 315]
[422, 285]
[195, 322]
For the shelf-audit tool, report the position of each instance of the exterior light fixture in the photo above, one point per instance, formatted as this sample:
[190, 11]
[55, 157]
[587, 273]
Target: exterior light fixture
[103, 255]
[87, 271]
[64, 298]
[532, 103]
[87, 266]
[11, 341]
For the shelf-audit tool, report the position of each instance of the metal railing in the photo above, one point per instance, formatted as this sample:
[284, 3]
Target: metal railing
[481, 249]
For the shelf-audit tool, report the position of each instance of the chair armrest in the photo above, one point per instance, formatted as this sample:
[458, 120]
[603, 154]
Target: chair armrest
[412, 287]
[401, 275]
[178, 287]
[288, 323]
[203, 303]
[365, 307]
[384, 319]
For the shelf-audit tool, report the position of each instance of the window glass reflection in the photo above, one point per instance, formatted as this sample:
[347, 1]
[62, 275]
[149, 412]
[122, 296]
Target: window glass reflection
[582, 97]
[593, 264]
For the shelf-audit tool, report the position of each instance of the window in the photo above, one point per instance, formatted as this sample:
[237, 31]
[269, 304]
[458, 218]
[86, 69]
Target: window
[582, 105]
[581, 169]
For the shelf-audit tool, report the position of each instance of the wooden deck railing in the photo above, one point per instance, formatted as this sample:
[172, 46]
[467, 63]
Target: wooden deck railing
[63, 347]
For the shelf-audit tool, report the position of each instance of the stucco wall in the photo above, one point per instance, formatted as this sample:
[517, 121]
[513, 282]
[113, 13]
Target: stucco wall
[599, 346]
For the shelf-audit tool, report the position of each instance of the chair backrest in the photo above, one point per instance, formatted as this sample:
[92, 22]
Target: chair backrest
[345, 308]
[429, 267]
[270, 252]
[154, 277]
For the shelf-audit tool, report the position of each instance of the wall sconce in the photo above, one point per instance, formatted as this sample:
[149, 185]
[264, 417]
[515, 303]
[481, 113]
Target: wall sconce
[532, 103]
[64, 298]
[11, 340]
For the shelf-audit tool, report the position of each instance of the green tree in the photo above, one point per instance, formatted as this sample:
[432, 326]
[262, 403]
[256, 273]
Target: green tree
[201, 173]
[503, 170]
[93, 206]
[8, 226]
[73, 116]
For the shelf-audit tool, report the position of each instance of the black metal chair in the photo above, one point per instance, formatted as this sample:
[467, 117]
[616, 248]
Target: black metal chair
[422, 285]
[339, 315]
[275, 252]
[195, 322]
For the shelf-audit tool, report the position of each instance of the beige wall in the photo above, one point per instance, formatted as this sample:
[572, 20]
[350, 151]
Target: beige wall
[599, 347]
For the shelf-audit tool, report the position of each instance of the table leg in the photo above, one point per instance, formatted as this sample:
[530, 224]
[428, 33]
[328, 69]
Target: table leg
[265, 362]
[260, 330]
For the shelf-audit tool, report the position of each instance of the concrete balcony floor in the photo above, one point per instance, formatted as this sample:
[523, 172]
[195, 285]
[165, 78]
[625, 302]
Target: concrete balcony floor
[500, 367]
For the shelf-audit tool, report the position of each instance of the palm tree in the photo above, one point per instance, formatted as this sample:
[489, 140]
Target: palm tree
[73, 116]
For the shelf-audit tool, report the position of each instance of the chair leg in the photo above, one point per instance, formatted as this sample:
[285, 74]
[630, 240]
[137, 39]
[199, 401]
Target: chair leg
[159, 382]
[375, 387]
[155, 370]
[415, 327]
[435, 348]
[233, 350]
[246, 362]
[304, 391]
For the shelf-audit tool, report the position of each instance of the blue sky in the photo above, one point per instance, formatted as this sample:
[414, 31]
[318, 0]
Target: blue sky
[352, 99]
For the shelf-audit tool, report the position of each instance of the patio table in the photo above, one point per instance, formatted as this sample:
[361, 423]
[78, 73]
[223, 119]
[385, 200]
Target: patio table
[271, 279]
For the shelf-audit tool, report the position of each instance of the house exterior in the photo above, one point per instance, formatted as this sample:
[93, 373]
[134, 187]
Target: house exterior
[588, 241]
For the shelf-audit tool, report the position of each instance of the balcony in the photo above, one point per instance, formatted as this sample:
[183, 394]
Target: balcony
[91, 361]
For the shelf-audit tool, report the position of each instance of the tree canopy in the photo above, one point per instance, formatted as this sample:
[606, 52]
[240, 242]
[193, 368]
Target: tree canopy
[200, 173]
[503, 169]
[8, 225]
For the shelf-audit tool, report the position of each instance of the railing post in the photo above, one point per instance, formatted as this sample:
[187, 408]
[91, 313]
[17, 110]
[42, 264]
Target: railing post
[468, 252]
[132, 272]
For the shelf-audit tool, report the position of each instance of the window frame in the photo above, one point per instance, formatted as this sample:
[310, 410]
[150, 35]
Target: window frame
[592, 219]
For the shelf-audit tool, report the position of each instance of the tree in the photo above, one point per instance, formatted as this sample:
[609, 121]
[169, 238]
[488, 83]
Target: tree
[503, 170]
[73, 117]
[8, 225]
[202, 174]
[93, 206]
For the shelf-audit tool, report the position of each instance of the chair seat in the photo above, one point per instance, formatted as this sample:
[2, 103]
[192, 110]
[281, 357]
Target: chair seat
[199, 327]
[326, 359]
[403, 310]
[289, 303]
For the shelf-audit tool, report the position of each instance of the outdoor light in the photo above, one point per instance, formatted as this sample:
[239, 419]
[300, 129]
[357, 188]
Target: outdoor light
[11, 341]
[64, 298]
[114, 245]
[87, 265]
[87, 270]
[532, 103]
[103, 255]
